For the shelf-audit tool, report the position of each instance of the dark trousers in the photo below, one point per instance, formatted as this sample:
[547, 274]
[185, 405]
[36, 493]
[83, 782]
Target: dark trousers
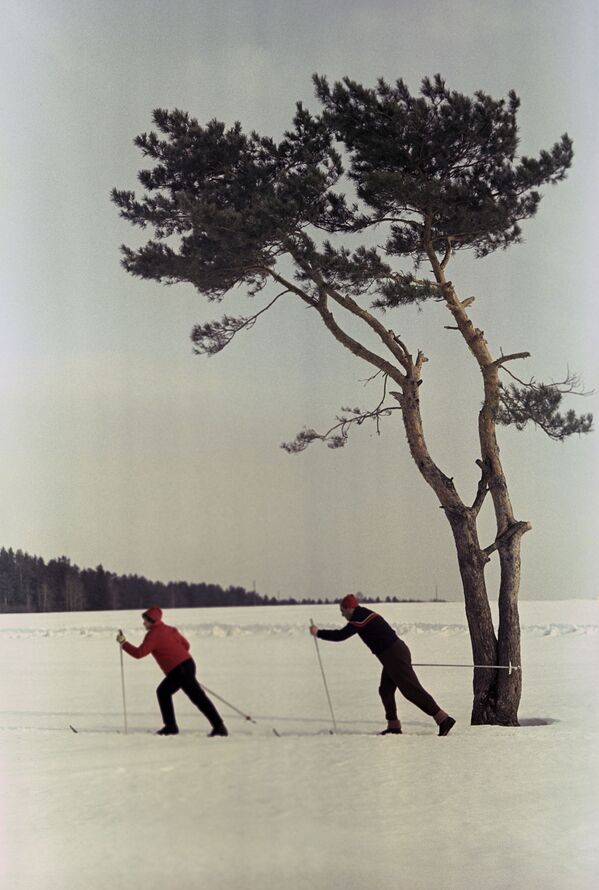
[398, 673]
[184, 677]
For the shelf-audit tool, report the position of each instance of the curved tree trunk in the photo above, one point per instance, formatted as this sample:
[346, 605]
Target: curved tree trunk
[504, 693]
[471, 560]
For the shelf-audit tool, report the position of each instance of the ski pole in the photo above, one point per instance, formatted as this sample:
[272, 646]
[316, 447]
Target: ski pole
[228, 704]
[123, 687]
[324, 680]
[488, 667]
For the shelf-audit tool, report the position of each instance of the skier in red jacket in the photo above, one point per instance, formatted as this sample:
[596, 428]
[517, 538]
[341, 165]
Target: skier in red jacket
[171, 651]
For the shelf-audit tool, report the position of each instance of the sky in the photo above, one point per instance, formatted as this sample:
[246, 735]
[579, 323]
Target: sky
[119, 446]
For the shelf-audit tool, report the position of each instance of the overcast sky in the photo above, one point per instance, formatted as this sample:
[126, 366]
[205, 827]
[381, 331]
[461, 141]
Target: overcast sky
[121, 447]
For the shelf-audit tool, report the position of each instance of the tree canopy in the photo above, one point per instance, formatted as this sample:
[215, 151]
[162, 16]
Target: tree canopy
[439, 169]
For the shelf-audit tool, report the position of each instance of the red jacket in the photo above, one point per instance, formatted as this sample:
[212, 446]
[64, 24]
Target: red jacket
[167, 645]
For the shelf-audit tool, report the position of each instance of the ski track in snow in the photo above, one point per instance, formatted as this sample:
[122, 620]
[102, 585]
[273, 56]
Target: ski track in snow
[487, 806]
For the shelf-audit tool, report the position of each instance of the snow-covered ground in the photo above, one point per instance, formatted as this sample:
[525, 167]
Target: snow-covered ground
[485, 807]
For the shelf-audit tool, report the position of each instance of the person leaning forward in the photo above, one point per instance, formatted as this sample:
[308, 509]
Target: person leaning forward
[396, 659]
[171, 651]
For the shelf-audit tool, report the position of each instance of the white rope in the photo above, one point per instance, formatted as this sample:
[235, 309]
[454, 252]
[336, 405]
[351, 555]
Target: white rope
[488, 667]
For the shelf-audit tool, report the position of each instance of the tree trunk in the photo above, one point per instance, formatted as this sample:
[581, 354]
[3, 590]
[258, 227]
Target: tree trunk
[509, 686]
[496, 692]
[504, 688]
[471, 561]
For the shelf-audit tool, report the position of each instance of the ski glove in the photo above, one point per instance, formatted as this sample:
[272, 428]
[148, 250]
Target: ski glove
[120, 637]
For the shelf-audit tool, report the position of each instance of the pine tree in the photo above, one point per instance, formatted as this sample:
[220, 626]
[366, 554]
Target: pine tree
[441, 172]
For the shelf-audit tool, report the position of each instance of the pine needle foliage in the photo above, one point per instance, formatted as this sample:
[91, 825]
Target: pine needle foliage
[438, 169]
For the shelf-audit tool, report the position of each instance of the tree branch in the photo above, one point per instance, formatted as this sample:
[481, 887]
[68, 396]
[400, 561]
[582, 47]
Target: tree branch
[508, 358]
[571, 385]
[344, 423]
[213, 336]
[388, 337]
[420, 360]
[518, 528]
[393, 344]
[340, 335]
[370, 379]
[483, 488]
[448, 253]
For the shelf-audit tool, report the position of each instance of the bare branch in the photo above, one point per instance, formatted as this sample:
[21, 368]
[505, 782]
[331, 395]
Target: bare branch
[483, 488]
[401, 344]
[370, 379]
[420, 360]
[288, 285]
[393, 344]
[393, 219]
[570, 385]
[448, 253]
[380, 405]
[518, 528]
[340, 335]
[508, 358]
[388, 338]
[338, 434]
[531, 382]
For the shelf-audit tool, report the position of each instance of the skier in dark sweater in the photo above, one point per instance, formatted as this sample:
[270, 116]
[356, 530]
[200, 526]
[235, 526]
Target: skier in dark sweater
[171, 651]
[395, 657]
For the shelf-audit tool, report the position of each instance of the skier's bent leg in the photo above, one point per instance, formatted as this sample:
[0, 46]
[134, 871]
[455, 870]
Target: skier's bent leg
[411, 688]
[164, 693]
[196, 694]
[387, 689]
[397, 661]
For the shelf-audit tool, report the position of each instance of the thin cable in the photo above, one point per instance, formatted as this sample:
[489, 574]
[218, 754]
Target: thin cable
[488, 667]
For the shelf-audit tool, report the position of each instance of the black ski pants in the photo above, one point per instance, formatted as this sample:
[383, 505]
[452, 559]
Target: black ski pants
[184, 677]
[398, 673]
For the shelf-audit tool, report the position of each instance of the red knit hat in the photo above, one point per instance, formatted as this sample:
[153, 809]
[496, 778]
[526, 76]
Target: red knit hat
[349, 601]
[153, 614]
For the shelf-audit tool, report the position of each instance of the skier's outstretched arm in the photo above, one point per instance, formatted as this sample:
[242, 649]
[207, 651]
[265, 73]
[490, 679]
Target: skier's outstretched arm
[335, 636]
[139, 651]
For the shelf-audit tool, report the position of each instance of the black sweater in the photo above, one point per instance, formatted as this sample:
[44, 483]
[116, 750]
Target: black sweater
[370, 627]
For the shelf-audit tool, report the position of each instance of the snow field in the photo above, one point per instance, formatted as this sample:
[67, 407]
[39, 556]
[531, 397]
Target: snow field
[486, 806]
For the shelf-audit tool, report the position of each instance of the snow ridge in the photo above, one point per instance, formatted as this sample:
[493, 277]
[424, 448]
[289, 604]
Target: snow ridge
[222, 630]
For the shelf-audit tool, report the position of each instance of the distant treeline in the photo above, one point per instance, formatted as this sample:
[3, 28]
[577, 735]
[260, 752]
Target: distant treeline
[28, 584]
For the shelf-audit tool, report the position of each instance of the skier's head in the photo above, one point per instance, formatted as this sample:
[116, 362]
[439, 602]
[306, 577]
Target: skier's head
[152, 616]
[347, 605]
